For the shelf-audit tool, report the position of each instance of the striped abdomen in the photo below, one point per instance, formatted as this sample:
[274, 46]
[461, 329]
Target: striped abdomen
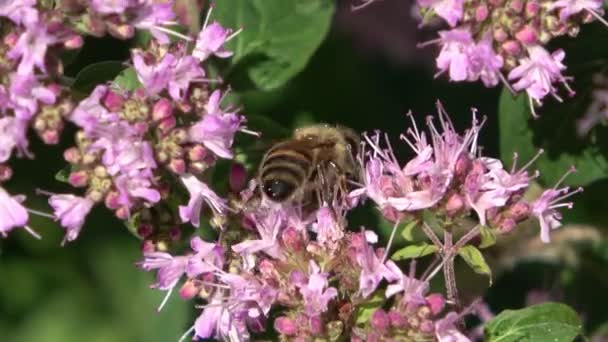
[285, 168]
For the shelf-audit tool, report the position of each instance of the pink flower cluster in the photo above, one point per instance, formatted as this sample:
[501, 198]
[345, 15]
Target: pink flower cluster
[449, 177]
[127, 140]
[505, 40]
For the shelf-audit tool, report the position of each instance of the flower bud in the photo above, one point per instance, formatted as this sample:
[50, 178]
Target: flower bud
[436, 302]
[372, 336]
[481, 13]
[532, 9]
[72, 155]
[50, 137]
[519, 211]
[144, 230]
[511, 47]
[397, 319]
[500, 35]
[112, 200]
[454, 205]
[5, 173]
[316, 325]
[121, 32]
[285, 326]
[177, 165]
[189, 290]
[175, 233]
[113, 101]
[516, 6]
[78, 179]
[380, 319]
[122, 213]
[506, 225]
[73, 42]
[427, 327]
[197, 153]
[162, 109]
[527, 35]
[292, 239]
[147, 246]
[237, 177]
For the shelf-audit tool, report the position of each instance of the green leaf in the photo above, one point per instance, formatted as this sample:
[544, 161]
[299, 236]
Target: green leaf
[431, 220]
[414, 251]
[548, 322]
[63, 175]
[278, 37]
[367, 308]
[488, 238]
[94, 74]
[475, 260]
[127, 80]
[132, 224]
[408, 230]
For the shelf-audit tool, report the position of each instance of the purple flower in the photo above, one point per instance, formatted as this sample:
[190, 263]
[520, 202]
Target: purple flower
[214, 321]
[544, 208]
[568, 8]
[412, 288]
[126, 156]
[373, 270]
[111, 6]
[170, 270]
[456, 48]
[268, 226]
[90, 114]
[12, 134]
[208, 257]
[71, 211]
[216, 129]
[154, 77]
[12, 213]
[19, 11]
[446, 331]
[537, 73]
[199, 193]
[152, 16]
[210, 41]
[450, 10]
[136, 185]
[31, 47]
[25, 92]
[316, 292]
[329, 232]
[485, 63]
[185, 70]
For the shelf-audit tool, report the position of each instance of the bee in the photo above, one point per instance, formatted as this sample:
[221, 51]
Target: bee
[318, 159]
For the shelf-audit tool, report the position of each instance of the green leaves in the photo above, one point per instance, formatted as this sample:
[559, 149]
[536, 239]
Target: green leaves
[366, 310]
[278, 37]
[414, 251]
[555, 133]
[95, 74]
[549, 322]
[473, 257]
[127, 80]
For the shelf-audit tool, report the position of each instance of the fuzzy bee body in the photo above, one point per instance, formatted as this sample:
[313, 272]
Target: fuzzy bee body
[316, 159]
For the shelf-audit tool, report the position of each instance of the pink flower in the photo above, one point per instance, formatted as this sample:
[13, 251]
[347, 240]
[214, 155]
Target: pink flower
[412, 288]
[485, 63]
[111, 6]
[12, 134]
[90, 114]
[316, 292]
[137, 184]
[208, 257]
[25, 92]
[568, 8]
[216, 129]
[373, 270]
[71, 211]
[210, 41]
[328, 229]
[19, 12]
[199, 193]
[456, 47]
[185, 70]
[12, 213]
[170, 270]
[154, 77]
[268, 227]
[152, 16]
[450, 10]
[214, 321]
[31, 47]
[446, 331]
[537, 73]
[544, 208]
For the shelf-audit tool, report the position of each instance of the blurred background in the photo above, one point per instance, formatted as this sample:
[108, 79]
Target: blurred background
[366, 74]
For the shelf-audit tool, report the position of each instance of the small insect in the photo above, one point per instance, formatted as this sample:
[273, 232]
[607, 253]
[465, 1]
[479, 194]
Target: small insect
[317, 160]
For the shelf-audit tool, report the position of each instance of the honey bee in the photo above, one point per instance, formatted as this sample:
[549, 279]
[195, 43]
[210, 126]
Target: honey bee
[318, 159]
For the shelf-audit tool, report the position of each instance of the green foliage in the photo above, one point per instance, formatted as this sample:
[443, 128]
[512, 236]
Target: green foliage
[95, 74]
[127, 80]
[473, 257]
[415, 251]
[488, 238]
[519, 134]
[278, 39]
[408, 230]
[549, 322]
[367, 308]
